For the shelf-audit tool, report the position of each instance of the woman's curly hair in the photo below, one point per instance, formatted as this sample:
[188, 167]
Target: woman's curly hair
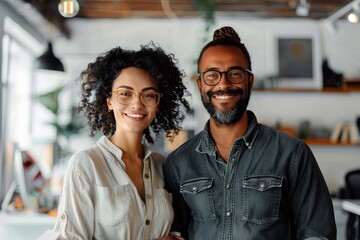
[98, 78]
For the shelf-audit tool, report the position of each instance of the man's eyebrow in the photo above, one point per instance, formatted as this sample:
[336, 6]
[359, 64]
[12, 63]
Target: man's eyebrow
[230, 68]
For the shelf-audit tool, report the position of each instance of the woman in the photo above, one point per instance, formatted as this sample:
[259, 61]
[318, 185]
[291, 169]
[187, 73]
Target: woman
[115, 189]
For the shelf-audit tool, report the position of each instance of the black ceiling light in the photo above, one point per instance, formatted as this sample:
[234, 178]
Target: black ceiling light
[48, 61]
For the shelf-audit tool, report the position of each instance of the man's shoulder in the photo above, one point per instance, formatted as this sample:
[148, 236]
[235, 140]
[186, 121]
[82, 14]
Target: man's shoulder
[273, 133]
[188, 146]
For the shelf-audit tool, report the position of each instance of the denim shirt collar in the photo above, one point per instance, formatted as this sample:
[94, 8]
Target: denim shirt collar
[207, 145]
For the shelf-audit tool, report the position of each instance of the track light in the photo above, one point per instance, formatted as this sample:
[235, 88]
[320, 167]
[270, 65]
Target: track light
[303, 8]
[68, 8]
[353, 7]
[353, 17]
[343, 11]
[330, 26]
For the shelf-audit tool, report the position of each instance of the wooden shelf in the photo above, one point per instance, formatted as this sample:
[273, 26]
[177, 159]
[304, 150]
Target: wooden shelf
[348, 85]
[304, 90]
[327, 142]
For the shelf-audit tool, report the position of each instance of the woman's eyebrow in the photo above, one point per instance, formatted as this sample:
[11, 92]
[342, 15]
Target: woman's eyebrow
[124, 86]
[131, 88]
[149, 88]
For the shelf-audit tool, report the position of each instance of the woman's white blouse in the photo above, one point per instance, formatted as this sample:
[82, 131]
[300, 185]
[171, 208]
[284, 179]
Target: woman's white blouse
[99, 201]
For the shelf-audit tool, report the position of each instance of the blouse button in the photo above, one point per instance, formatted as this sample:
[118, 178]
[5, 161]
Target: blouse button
[146, 175]
[63, 217]
[148, 195]
[147, 222]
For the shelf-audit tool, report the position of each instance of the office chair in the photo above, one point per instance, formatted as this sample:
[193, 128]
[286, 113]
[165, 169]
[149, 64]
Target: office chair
[352, 185]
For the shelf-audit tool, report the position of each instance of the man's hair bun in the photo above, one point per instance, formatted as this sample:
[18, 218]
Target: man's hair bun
[226, 32]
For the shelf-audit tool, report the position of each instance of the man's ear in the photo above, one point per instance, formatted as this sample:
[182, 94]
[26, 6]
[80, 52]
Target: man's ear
[251, 81]
[198, 82]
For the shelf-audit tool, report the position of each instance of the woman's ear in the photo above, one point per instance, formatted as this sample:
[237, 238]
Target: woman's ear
[109, 103]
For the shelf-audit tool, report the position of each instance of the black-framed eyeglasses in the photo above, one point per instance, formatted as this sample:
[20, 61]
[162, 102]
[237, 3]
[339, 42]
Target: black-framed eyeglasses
[148, 98]
[213, 77]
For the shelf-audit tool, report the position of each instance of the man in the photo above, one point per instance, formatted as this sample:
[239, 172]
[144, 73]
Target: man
[238, 179]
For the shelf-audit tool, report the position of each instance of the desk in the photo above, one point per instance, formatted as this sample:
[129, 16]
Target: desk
[353, 206]
[20, 226]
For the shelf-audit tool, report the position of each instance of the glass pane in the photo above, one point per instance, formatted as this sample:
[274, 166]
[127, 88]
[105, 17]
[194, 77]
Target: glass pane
[19, 95]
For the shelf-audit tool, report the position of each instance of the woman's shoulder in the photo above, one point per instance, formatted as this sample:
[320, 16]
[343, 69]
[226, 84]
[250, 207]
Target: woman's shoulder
[86, 158]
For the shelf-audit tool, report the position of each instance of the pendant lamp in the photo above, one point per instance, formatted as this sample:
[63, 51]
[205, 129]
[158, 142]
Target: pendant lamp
[48, 61]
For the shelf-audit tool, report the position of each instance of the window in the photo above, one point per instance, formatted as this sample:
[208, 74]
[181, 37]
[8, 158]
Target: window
[18, 52]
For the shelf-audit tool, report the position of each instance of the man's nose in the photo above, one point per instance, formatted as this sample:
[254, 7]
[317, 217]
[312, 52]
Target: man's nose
[224, 80]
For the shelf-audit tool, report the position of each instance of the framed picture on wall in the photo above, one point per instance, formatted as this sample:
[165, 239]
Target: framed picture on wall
[296, 63]
[297, 57]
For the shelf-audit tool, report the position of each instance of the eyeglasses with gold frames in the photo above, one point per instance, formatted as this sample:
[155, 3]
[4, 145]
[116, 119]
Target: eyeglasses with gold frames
[148, 98]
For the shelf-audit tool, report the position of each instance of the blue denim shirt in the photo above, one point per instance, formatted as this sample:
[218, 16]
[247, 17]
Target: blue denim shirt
[270, 188]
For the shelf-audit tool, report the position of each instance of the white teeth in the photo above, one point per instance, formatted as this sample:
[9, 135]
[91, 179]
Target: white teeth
[134, 115]
[223, 97]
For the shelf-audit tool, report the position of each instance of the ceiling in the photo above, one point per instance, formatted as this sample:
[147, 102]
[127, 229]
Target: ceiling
[95, 9]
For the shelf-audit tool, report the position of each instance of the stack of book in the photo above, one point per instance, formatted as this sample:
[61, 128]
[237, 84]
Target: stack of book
[345, 133]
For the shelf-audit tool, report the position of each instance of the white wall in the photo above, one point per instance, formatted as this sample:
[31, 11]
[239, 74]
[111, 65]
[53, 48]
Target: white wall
[184, 38]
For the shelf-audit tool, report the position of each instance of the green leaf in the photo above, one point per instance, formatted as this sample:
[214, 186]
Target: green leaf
[51, 99]
[207, 10]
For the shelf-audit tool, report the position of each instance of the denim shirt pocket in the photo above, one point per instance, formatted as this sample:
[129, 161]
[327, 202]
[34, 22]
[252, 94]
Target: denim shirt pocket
[198, 194]
[261, 199]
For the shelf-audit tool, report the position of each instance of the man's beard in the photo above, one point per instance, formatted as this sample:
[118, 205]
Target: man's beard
[231, 116]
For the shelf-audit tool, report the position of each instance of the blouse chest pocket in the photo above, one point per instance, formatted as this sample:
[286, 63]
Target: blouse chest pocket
[114, 205]
[261, 199]
[198, 194]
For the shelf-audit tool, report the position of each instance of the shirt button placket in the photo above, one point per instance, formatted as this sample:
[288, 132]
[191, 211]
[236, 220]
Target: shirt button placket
[148, 195]
[227, 232]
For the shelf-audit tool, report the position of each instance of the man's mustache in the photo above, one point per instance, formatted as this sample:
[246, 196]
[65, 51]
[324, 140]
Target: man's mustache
[226, 92]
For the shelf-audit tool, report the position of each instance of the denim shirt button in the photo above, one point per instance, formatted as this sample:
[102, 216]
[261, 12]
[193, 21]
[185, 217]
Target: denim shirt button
[228, 214]
[262, 185]
[228, 186]
[194, 189]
